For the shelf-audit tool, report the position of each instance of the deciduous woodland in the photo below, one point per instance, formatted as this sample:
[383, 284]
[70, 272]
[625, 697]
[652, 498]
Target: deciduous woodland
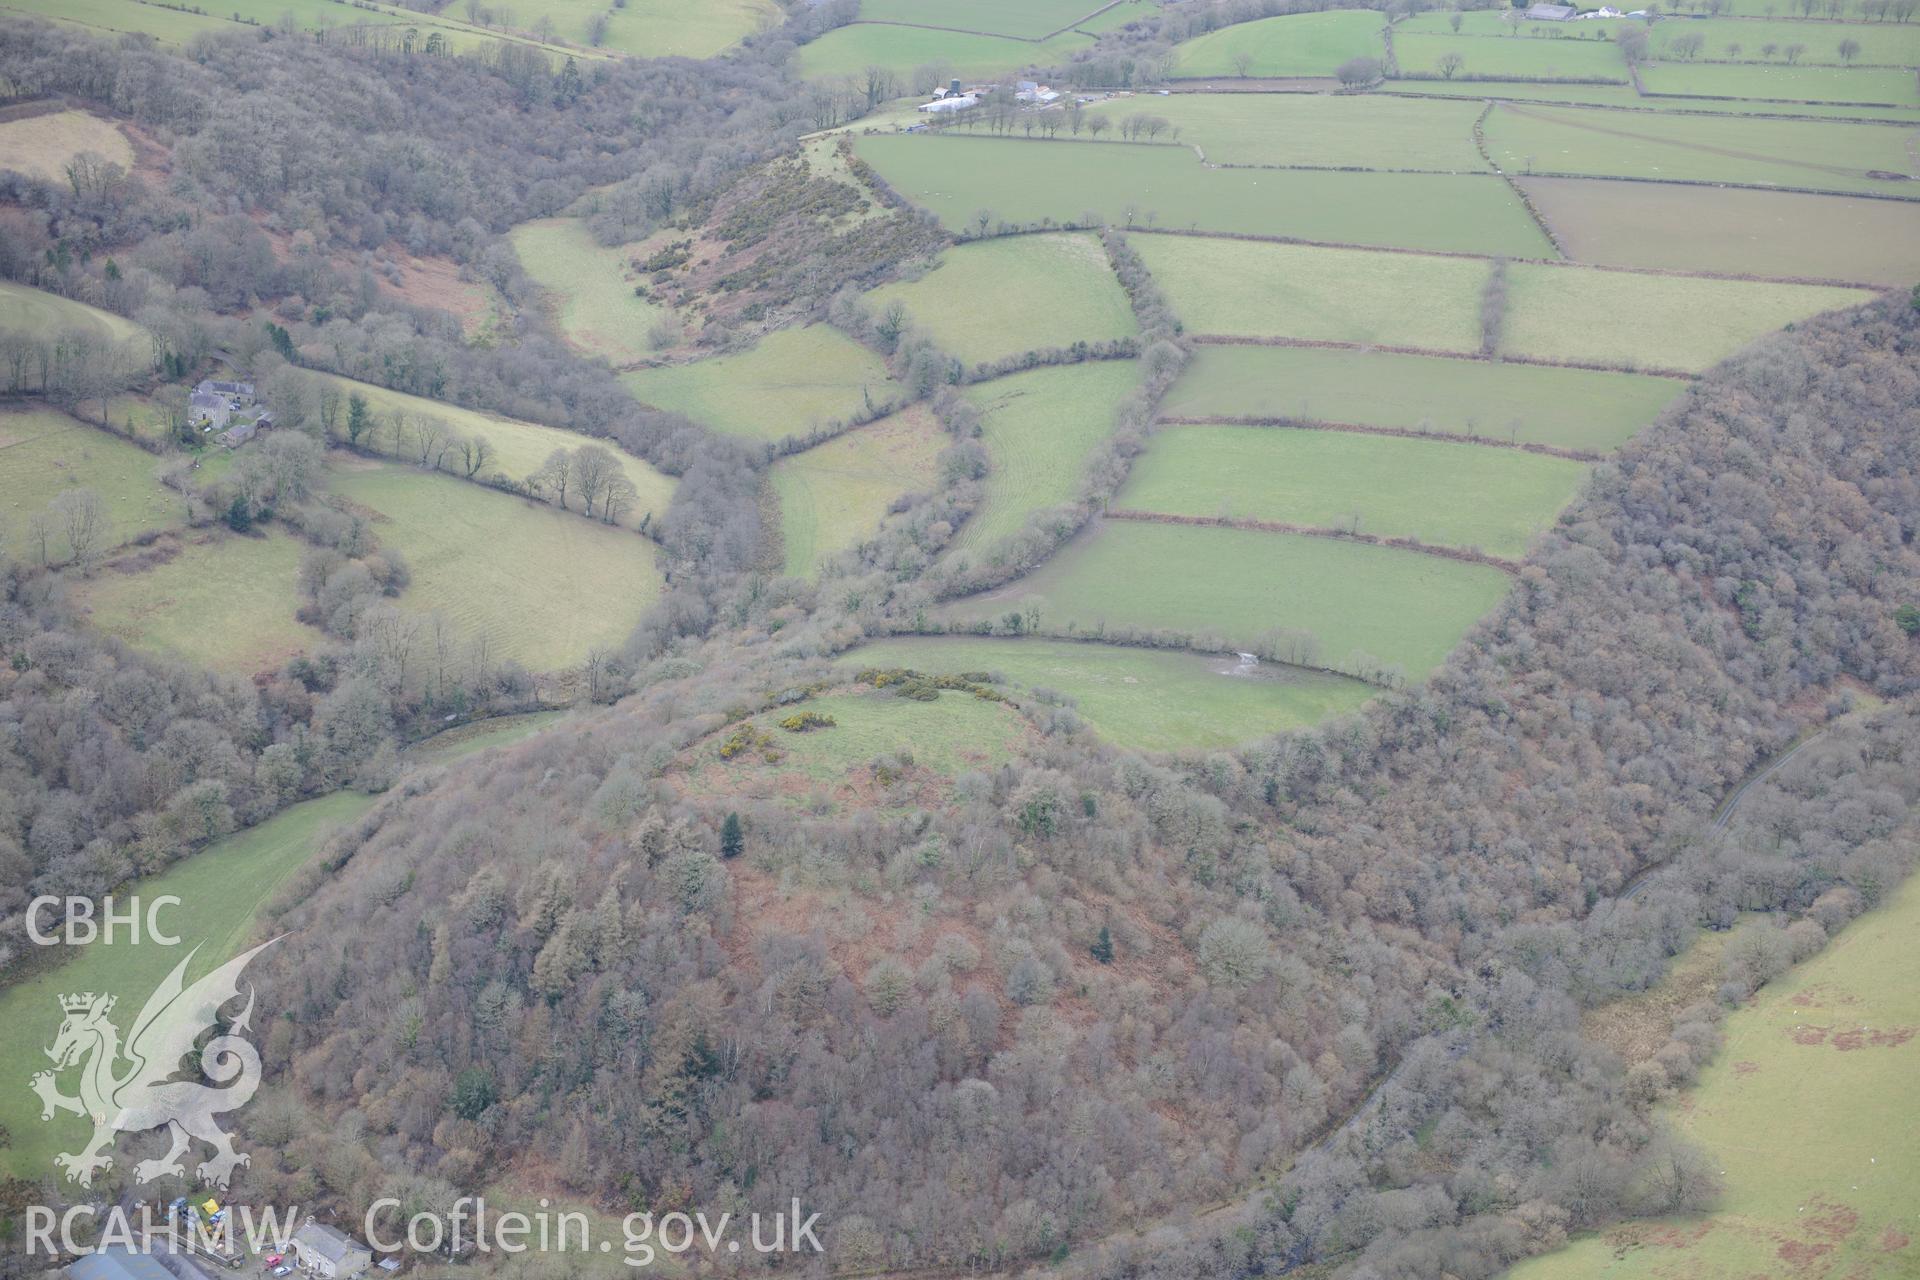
[372, 375]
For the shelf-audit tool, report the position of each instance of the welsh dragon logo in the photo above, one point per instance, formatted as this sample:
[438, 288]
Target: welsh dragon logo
[142, 1094]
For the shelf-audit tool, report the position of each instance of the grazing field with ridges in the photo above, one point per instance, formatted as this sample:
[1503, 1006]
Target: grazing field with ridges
[1402, 608]
[1148, 699]
[1577, 409]
[1444, 493]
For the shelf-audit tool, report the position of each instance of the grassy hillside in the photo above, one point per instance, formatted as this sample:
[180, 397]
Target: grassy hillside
[849, 51]
[1727, 229]
[43, 314]
[1023, 19]
[881, 752]
[1818, 154]
[1146, 699]
[216, 600]
[1341, 295]
[42, 454]
[984, 301]
[542, 586]
[1808, 1111]
[1442, 493]
[1400, 607]
[177, 25]
[520, 447]
[836, 494]
[788, 384]
[1315, 129]
[658, 28]
[41, 146]
[1650, 321]
[1132, 185]
[1567, 408]
[1039, 429]
[1301, 44]
[592, 288]
[222, 890]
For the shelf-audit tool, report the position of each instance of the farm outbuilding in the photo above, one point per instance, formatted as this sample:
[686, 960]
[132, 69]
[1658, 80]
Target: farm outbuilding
[328, 1252]
[1551, 12]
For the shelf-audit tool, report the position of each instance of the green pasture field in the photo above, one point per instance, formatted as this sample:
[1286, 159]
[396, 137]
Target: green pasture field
[1817, 154]
[1146, 699]
[1809, 1112]
[1243, 289]
[44, 314]
[1889, 44]
[1519, 57]
[1011, 294]
[591, 286]
[1568, 408]
[1507, 24]
[835, 495]
[222, 890]
[1444, 492]
[1328, 129]
[41, 146]
[848, 51]
[477, 736]
[951, 735]
[543, 587]
[222, 601]
[1118, 16]
[1731, 230]
[43, 454]
[1300, 44]
[122, 17]
[658, 28]
[519, 447]
[1880, 85]
[1404, 608]
[1020, 19]
[1039, 429]
[1022, 181]
[787, 384]
[1617, 95]
[243, 17]
[1651, 322]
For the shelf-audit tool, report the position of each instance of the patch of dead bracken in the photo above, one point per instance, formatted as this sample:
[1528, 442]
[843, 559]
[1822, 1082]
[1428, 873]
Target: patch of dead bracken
[1801, 1255]
[1831, 1221]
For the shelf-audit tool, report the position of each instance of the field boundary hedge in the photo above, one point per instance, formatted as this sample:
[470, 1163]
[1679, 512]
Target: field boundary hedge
[1736, 186]
[1660, 110]
[1330, 344]
[1464, 554]
[1563, 263]
[1163, 640]
[1526, 201]
[1369, 429]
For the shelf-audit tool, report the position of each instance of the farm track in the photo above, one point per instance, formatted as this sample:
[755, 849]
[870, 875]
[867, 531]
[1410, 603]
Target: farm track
[1724, 815]
[1462, 554]
[1329, 344]
[1364, 429]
